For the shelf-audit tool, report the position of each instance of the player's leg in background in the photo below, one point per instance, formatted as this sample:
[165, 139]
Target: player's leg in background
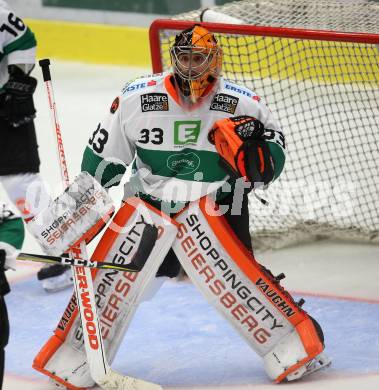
[19, 149]
[27, 191]
[4, 322]
[29, 194]
[19, 175]
[4, 335]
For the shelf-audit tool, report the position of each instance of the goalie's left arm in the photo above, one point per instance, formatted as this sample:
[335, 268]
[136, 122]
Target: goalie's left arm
[249, 149]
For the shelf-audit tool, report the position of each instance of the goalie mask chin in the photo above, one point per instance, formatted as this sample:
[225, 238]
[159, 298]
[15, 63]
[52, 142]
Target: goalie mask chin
[196, 60]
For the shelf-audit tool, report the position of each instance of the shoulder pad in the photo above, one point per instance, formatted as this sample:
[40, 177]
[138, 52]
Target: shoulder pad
[142, 83]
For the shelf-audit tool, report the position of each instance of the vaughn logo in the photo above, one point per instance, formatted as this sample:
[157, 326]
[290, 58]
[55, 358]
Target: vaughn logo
[225, 103]
[183, 163]
[154, 102]
[186, 132]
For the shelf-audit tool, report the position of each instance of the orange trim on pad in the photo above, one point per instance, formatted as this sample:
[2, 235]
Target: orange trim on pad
[311, 343]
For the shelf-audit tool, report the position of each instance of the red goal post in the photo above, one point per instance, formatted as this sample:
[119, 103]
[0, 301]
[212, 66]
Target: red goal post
[323, 87]
[160, 25]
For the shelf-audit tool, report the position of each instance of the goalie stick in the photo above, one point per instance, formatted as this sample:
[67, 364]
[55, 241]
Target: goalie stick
[149, 236]
[99, 368]
[68, 260]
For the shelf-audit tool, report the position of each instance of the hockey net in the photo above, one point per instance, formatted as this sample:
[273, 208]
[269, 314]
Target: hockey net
[316, 66]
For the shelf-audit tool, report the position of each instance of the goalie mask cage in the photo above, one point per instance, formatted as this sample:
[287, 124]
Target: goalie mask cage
[321, 81]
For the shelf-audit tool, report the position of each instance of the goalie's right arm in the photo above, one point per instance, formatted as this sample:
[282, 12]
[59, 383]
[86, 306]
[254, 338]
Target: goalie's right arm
[108, 152]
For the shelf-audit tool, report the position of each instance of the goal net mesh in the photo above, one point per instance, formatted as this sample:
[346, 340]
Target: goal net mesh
[325, 95]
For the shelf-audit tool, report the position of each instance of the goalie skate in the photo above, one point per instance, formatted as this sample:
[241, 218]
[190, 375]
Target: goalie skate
[50, 271]
[318, 363]
[56, 279]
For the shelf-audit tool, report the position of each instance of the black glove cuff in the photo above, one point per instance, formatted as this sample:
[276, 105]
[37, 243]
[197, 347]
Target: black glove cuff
[21, 86]
[25, 86]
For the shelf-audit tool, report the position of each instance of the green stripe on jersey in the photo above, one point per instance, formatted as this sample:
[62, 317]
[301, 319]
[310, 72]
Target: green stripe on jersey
[107, 175]
[12, 232]
[186, 164]
[25, 42]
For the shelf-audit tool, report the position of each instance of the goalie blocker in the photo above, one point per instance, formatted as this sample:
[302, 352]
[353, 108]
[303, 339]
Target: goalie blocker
[247, 295]
[76, 215]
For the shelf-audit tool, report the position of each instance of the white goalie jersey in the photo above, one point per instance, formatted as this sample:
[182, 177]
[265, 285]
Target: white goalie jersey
[174, 160]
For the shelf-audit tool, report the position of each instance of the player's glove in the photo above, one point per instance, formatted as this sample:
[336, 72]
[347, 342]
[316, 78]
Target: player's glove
[8, 256]
[4, 286]
[18, 100]
[243, 150]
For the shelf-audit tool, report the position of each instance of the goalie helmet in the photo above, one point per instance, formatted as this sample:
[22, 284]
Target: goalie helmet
[196, 59]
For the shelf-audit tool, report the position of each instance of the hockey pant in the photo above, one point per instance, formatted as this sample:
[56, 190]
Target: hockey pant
[117, 293]
[244, 293]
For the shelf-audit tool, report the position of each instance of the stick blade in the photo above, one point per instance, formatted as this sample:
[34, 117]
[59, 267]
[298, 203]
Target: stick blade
[148, 240]
[113, 380]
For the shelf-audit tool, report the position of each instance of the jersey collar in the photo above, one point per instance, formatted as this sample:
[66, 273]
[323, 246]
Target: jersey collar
[170, 88]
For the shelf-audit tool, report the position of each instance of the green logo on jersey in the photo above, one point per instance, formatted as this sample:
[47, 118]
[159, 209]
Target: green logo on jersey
[183, 163]
[186, 132]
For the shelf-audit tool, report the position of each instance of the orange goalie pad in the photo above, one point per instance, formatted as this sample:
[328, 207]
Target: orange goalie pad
[243, 291]
[113, 246]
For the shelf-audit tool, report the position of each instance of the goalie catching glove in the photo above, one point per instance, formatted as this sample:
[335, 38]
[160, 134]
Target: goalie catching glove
[241, 145]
